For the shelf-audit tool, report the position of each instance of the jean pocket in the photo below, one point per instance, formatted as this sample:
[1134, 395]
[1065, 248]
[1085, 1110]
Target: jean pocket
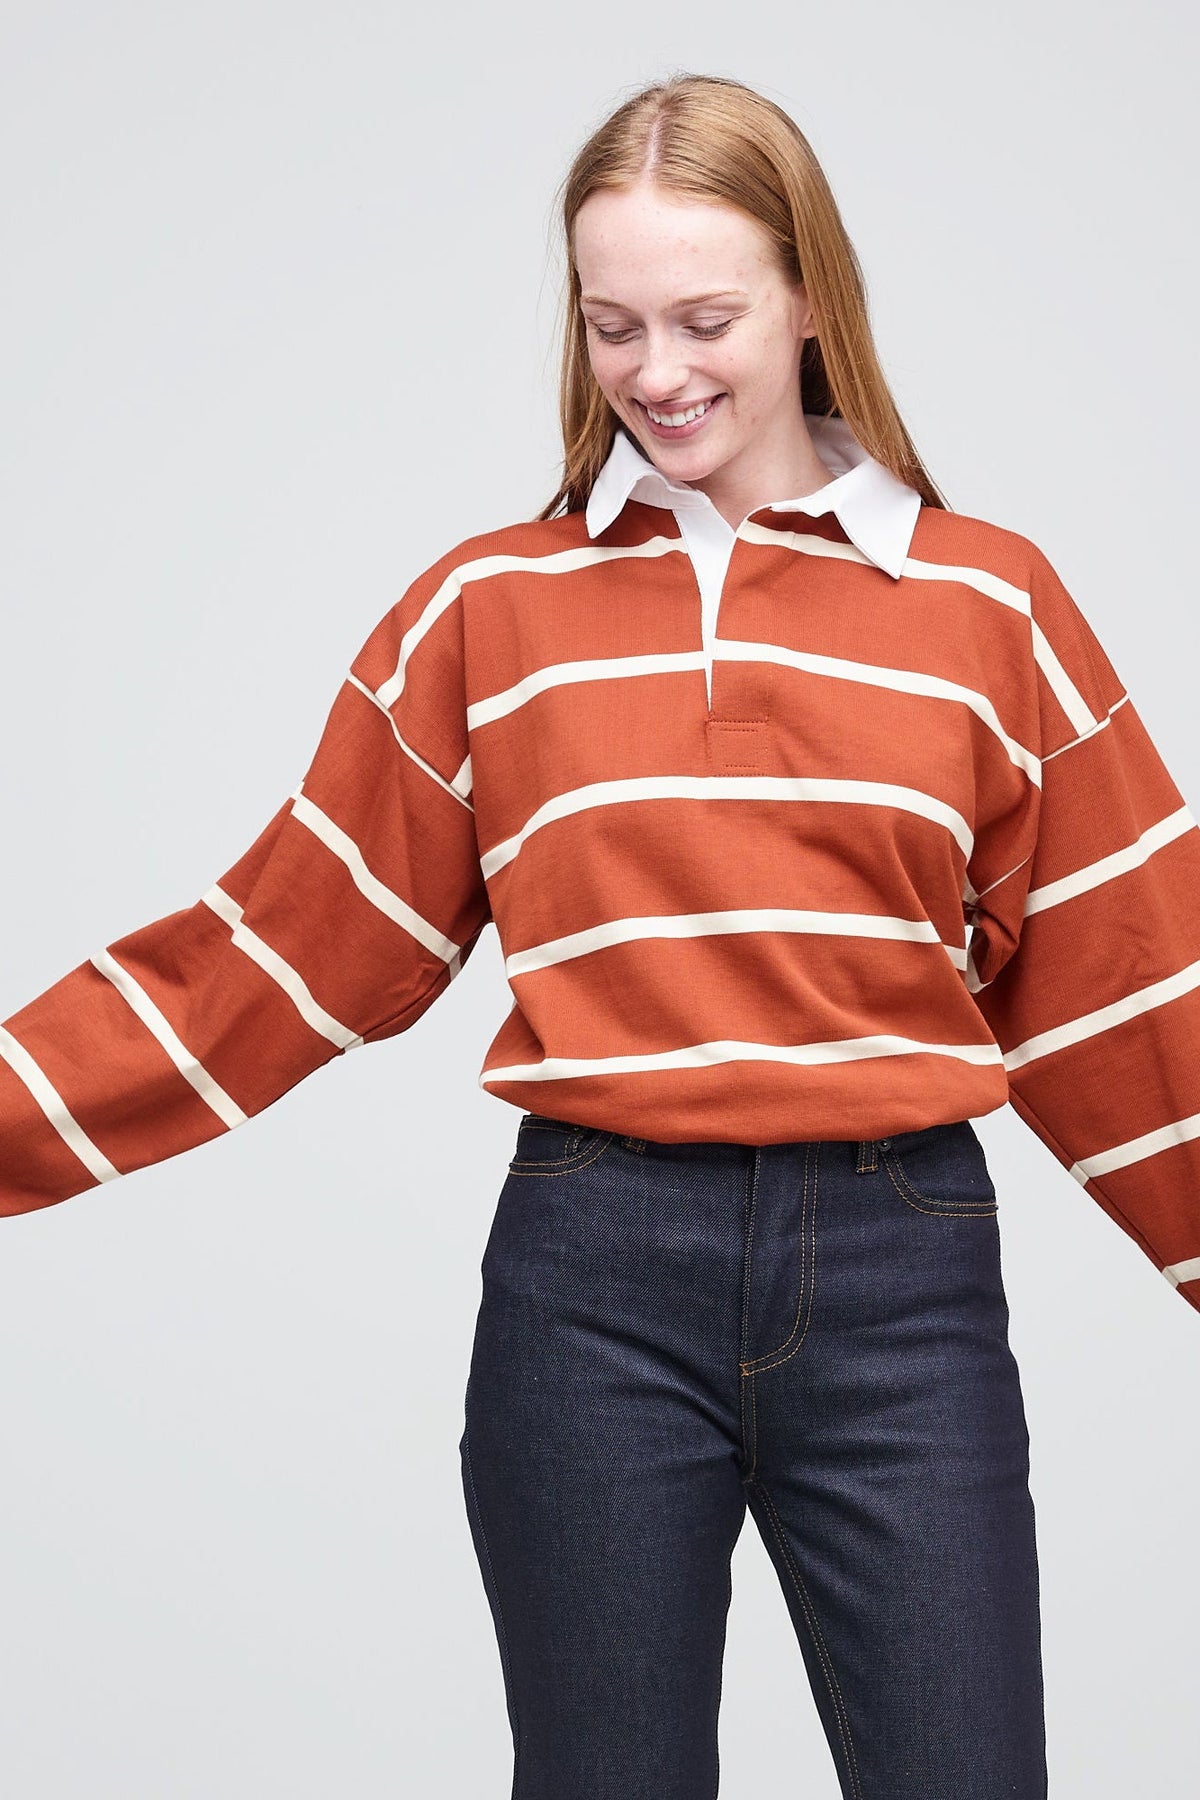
[940, 1169]
[547, 1146]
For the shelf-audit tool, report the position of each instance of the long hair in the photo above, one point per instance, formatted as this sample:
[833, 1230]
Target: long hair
[708, 137]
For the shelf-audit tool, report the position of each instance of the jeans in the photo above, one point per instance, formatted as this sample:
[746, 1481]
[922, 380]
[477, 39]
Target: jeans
[669, 1333]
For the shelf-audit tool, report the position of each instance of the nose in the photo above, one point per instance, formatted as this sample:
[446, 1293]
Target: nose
[663, 371]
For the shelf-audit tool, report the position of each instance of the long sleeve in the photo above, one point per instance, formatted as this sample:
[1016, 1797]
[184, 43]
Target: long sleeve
[341, 924]
[1085, 956]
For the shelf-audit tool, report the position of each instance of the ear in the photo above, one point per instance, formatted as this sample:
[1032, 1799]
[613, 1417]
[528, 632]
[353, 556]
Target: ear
[802, 315]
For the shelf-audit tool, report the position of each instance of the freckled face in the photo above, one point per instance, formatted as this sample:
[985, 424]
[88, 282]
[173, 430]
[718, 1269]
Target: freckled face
[686, 307]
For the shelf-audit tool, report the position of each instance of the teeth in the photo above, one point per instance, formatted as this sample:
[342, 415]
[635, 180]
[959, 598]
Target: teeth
[681, 418]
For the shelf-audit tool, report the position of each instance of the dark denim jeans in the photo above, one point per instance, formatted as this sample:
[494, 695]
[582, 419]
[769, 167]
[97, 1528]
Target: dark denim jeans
[671, 1332]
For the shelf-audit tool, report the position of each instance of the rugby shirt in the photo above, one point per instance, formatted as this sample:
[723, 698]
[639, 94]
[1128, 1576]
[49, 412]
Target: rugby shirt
[837, 825]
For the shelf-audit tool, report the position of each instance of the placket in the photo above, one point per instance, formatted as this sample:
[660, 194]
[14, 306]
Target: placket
[709, 539]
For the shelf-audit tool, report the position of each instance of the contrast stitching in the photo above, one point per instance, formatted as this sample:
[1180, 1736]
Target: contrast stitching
[748, 1448]
[831, 1682]
[567, 1165]
[919, 1203]
[491, 1572]
[748, 1386]
[808, 1271]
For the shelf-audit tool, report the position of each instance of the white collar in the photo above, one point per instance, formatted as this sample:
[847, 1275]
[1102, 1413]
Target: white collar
[877, 511]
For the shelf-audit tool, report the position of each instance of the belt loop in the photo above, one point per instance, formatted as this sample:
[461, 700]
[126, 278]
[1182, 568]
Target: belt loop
[634, 1143]
[866, 1157]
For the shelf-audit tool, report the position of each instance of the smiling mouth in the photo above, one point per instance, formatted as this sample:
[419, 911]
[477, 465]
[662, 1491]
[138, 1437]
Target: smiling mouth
[675, 418]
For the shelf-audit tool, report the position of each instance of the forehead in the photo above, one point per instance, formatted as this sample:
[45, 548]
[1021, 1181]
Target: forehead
[644, 241]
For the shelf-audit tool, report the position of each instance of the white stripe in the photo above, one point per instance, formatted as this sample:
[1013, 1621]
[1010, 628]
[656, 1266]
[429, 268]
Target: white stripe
[982, 580]
[1179, 1131]
[711, 924]
[1081, 881]
[1183, 1271]
[627, 668]
[992, 885]
[369, 885]
[54, 1106]
[160, 1027]
[1089, 1025]
[904, 681]
[807, 543]
[724, 1050]
[451, 788]
[1063, 688]
[1092, 731]
[561, 562]
[730, 787]
[1093, 875]
[223, 905]
[280, 972]
[810, 544]
[596, 668]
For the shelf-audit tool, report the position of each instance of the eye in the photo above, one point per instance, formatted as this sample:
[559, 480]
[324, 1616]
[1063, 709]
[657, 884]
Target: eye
[622, 336]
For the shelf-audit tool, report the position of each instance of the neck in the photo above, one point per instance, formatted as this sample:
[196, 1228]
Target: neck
[764, 473]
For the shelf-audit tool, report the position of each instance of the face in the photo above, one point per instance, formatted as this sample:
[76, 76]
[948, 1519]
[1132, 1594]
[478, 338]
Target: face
[687, 308]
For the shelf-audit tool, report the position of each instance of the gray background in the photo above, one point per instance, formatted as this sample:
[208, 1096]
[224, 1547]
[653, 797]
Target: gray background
[275, 331]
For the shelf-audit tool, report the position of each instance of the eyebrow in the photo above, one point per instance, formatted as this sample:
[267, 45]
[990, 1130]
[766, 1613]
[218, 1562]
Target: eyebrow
[691, 300]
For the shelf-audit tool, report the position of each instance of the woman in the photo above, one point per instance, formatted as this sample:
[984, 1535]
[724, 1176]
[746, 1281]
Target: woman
[814, 823]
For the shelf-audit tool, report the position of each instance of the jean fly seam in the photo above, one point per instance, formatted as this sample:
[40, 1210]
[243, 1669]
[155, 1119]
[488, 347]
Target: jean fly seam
[503, 1634]
[819, 1643]
[808, 1271]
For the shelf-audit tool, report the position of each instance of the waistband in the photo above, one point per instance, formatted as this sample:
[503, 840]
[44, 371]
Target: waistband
[865, 1149]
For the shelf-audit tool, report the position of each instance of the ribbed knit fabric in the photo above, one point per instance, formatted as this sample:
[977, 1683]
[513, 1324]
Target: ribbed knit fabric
[918, 859]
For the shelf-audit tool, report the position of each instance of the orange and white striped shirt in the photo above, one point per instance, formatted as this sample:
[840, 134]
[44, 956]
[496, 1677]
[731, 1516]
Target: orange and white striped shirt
[834, 826]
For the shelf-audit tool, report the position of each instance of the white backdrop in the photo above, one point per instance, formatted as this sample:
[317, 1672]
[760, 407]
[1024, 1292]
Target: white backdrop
[276, 329]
